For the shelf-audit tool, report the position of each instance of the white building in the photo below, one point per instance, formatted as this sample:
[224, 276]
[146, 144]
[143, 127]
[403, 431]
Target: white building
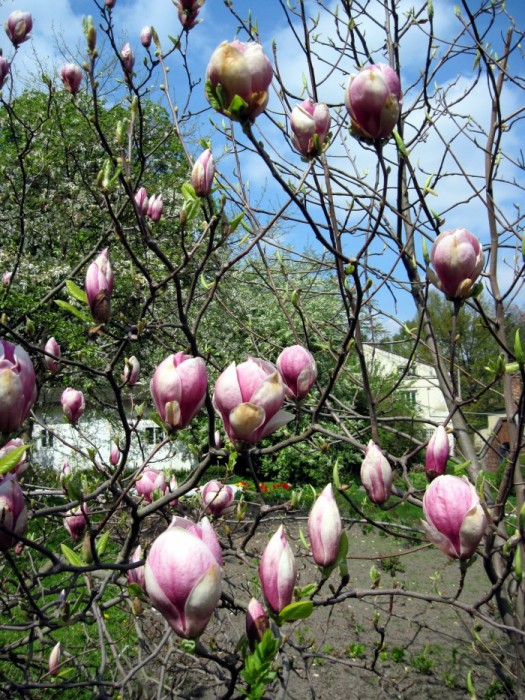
[419, 383]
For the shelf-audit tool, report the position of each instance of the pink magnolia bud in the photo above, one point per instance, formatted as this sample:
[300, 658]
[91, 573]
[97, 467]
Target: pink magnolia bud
[141, 198]
[99, 287]
[458, 260]
[178, 388]
[278, 572]
[75, 521]
[54, 660]
[71, 75]
[110, 4]
[18, 26]
[131, 372]
[188, 11]
[136, 575]
[173, 486]
[204, 531]
[249, 397]
[241, 69]
[203, 173]
[373, 100]
[114, 455]
[216, 497]
[146, 37]
[4, 72]
[454, 518]
[325, 528]
[6, 277]
[438, 450]
[151, 484]
[256, 622]
[298, 370]
[376, 474]
[155, 207]
[128, 60]
[18, 390]
[73, 404]
[13, 511]
[65, 472]
[20, 467]
[183, 581]
[310, 122]
[52, 348]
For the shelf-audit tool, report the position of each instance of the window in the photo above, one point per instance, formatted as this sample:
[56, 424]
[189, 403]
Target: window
[46, 439]
[411, 398]
[153, 435]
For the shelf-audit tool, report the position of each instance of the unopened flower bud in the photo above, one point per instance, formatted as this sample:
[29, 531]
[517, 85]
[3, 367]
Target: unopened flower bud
[128, 60]
[99, 287]
[155, 208]
[325, 528]
[256, 622]
[4, 71]
[54, 660]
[203, 173]
[457, 258]
[373, 100]
[310, 122]
[376, 474]
[278, 572]
[73, 404]
[71, 76]
[131, 372]
[17, 27]
[52, 348]
[146, 37]
[438, 450]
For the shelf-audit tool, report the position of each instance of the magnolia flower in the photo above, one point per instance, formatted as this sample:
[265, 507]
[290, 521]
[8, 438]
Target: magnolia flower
[457, 258]
[325, 528]
[376, 474]
[216, 497]
[256, 622]
[4, 72]
[310, 122]
[243, 70]
[146, 37]
[75, 521]
[130, 376]
[203, 173]
[249, 398]
[137, 574]
[73, 404]
[278, 572]
[298, 370]
[99, 287]
[13, 511]
[52, 348]
[71, 76]
[454, 518]
[18, 389]
[178, 388]
[151, 484]
[54, 660]
[17, 27]
[373, 100]
[183, 581]
[438, 450]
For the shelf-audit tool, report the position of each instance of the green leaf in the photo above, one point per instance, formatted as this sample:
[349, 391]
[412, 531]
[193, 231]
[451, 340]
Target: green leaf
[335, 475]
[303, 540]
[236, 221]
[11, 459]
[518, 349]
[399, 143]
[66, 306]
[188, 191]
[75, 292]
[296, 611]
[72, 557]
[102, 543]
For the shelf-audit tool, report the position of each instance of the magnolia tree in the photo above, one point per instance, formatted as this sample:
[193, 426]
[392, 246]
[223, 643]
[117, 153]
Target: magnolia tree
[228, 287]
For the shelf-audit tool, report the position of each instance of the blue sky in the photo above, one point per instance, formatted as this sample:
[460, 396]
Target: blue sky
[57, 35]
